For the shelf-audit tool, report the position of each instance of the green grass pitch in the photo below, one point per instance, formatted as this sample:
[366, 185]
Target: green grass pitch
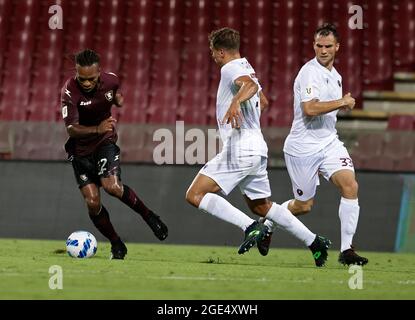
[161, 271]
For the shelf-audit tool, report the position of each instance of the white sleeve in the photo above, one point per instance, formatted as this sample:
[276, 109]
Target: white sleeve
[309, 85]
[234, 71]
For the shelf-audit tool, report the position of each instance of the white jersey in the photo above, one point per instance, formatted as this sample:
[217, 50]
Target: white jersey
[309, 135]
[248, 139]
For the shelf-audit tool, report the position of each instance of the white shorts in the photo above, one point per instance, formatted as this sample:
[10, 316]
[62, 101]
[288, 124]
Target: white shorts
[247, 172]
[304, 171]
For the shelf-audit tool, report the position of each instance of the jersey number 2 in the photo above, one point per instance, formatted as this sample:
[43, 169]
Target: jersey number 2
[101, 164]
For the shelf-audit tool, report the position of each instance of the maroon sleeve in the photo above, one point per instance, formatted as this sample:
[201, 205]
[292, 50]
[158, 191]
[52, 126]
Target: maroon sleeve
[69, 105]
[115, 82]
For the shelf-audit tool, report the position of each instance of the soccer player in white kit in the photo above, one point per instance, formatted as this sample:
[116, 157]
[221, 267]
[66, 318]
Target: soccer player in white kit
[312, 147]
[243, 159]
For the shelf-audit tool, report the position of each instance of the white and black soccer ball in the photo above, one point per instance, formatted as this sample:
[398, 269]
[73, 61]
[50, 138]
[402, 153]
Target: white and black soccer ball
[81, 244]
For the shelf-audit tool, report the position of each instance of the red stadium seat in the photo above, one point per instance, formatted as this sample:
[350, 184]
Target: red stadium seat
[398, 147]
[406, 165]
[15, 96]
[110, 25]
[40, 141]
[167, 43]
[193, 106]
[276, 116]
[349, 58]
[81, 25]
[315, 13]
[404, 35]
[401, 122]
[43, 103]
[286, 59]
[378, 46]
[255, 42]
[367, 151]
[227, 14]
[132, 140]
[5, 13]
[162, 105]
[136, 143]
[195, 49]
[135, 105]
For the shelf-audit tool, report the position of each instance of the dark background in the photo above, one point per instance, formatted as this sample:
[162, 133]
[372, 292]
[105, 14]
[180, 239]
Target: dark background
[50, 206]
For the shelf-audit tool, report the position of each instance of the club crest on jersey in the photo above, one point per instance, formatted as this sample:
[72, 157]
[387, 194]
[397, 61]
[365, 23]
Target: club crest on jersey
[109, 95]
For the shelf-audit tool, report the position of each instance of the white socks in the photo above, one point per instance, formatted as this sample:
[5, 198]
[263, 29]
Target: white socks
[287, 221]
[219, 207]
[349, 215]
[272, 225]
[280, 215]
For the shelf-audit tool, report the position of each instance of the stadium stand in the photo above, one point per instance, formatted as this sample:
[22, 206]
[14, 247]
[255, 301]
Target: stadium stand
[160, 52]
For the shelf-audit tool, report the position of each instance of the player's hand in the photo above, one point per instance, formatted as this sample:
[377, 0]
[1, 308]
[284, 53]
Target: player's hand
[119, 100]
[349, 101]
[233, 115]
[106, 125]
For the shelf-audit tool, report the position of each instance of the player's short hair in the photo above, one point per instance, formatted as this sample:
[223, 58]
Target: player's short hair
[326, 29]
[86, 58]
[225, 38]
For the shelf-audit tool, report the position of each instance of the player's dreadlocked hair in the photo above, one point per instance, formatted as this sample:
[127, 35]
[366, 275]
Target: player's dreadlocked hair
[86, 58]
[326, 29]
[225, 38]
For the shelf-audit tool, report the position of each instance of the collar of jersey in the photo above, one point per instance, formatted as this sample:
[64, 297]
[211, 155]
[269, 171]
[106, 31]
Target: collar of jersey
[323, 68]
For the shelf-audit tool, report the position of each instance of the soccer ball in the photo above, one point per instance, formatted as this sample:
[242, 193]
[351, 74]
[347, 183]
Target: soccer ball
[81, 244]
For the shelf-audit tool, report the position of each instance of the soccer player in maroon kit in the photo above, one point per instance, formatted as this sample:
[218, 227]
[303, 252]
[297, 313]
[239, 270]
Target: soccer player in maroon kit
[86, 101]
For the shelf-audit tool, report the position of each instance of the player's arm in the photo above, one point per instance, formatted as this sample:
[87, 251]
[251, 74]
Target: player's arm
[247, 89]
[119, 100]
[315, 107]
[80, 131]
[263, 101]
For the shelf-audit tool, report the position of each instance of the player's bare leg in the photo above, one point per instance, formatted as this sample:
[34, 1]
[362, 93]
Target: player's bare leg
[260, 207]
[113, 186]
[299, 208]
[202, 195]
[349, 209]
[92, 198]
[200, 186]
[100, 217]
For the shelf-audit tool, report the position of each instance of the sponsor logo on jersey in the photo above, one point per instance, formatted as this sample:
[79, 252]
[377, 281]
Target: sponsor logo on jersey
[83, 177]
[109, 95]
[85, 103]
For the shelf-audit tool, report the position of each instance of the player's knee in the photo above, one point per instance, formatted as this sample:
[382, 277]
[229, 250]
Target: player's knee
[93, 204]
[304, 209]
[300, 208]
[193, 197]
[113, 189]
[350, 189]
[262, 209]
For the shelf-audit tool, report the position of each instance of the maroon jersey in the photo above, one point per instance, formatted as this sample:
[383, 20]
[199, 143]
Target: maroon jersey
[89, 109]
